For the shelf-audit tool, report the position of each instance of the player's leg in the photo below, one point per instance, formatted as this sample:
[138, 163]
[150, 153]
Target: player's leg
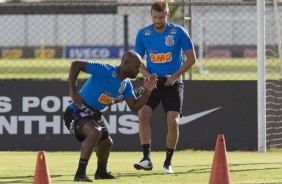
[92, 133]
[103, 149]
[173, 119]
[144, 115]
[144, 126]
[86, 131]
[173, 106]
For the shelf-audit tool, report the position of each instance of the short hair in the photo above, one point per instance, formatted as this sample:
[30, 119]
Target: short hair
[160, 6]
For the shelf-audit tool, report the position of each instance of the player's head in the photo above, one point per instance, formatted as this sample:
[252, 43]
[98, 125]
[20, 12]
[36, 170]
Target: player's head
[130, 65]
[160, 14]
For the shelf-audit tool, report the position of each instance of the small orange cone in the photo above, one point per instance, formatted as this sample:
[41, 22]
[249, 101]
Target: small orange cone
[220, 172]
[42, 175]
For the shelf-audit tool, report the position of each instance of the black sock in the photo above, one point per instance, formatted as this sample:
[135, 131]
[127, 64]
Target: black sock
[81, 170]
[169, 154]
[146, 151]
[102, 168]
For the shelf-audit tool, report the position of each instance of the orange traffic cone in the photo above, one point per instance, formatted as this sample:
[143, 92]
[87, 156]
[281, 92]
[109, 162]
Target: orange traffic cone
[42, 175]
[220, 172]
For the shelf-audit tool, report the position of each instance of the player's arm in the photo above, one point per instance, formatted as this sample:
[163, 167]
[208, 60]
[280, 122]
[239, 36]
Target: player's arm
[144, 71]
[149, 85]
[76, 67]
[188, 63]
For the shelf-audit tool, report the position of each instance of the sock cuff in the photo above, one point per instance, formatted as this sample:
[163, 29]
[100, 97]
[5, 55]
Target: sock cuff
[146, 146]
[170, 150]
[83, 160]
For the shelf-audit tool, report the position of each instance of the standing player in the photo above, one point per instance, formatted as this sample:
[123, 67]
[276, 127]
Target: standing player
[163, 43]
[83, 117]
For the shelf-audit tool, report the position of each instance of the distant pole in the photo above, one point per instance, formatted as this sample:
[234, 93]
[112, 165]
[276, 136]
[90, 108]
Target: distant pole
[125, 30]
[261, 99]
[190, 33]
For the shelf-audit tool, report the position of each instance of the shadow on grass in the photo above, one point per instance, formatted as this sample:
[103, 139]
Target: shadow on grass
[21, 179]
[206, 169]
[156, 173]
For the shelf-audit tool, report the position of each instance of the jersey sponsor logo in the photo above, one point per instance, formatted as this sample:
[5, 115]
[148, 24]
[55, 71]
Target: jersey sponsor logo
[103, 98]
[173, 31]
[147, 32]
[169, 40]
[161, 57]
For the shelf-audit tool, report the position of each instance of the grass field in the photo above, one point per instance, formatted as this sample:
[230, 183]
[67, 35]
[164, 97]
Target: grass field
[191, 167]
[212, 69]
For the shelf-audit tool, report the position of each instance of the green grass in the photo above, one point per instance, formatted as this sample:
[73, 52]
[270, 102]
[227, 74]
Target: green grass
[191, 167]
[213, 69]
[208, 69]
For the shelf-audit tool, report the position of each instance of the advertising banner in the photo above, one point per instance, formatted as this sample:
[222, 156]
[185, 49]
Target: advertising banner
[31, 117]
[94, 52]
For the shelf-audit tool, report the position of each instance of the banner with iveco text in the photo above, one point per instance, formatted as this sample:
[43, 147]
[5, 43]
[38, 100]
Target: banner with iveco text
[93, 52]
[31, 117]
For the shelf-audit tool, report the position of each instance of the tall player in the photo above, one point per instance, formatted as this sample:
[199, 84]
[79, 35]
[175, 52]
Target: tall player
[83, 117]
[164, 44]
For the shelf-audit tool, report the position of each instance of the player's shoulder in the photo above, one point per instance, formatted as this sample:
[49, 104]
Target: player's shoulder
[175, 27]
[101, 66]
[147, 30]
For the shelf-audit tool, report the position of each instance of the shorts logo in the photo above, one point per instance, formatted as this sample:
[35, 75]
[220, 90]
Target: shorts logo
[169, 40]
[161, 57]
[103, 98]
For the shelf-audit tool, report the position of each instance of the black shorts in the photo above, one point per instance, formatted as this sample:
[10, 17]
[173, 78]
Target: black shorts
[170, 96]
[75, 120]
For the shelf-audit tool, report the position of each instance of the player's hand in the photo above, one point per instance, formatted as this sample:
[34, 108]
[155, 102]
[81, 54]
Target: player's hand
[150, 83]
[77, 99]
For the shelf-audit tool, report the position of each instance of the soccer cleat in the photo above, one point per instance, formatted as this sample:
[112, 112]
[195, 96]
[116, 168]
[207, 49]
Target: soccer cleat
[82, 178]
[146, 165]
[167, 169]
[104, 175]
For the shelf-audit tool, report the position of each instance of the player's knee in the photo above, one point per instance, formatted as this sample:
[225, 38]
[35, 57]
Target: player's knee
[110, 142]
[173, 125]
[107, 143]
[95, 133]
[143, 118]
